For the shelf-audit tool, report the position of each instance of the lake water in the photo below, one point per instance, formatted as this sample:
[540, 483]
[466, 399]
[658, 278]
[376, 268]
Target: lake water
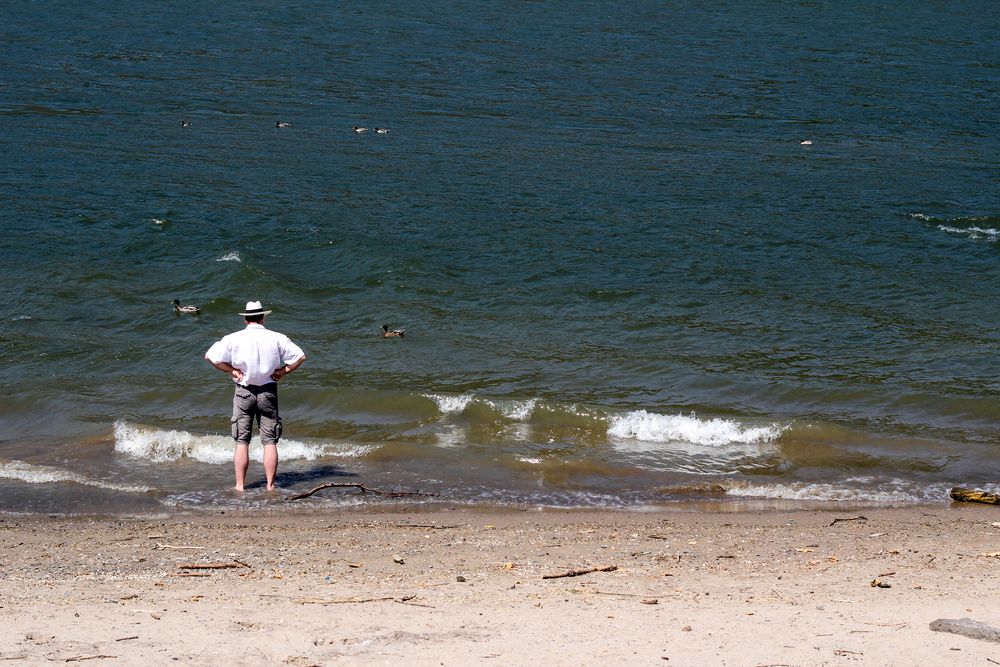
[623, 278]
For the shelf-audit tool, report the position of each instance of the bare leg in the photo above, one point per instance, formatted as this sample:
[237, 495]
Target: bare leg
[241, 462]
[270, 464]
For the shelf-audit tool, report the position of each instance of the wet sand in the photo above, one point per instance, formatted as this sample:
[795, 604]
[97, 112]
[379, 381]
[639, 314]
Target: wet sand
[461, 586]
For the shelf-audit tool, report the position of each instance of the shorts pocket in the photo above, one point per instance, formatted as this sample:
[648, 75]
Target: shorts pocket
[235, 428]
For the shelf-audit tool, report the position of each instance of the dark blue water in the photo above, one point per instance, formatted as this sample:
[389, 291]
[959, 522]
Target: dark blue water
[620, 272]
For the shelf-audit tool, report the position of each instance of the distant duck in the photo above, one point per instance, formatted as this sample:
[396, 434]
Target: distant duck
[359, 130]
[190, 310]
[806, 142]
[382, 130]
[185, 123]
[392, 333]
[279, 124]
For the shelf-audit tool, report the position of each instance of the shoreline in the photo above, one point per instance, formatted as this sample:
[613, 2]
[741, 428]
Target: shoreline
[469, 586]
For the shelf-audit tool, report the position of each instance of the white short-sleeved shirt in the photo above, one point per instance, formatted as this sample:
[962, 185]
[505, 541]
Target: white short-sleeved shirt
[256, 351]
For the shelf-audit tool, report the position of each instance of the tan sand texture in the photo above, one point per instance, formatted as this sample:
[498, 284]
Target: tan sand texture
[469, 587]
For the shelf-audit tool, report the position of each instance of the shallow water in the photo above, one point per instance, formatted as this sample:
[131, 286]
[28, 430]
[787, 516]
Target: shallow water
[621, 275]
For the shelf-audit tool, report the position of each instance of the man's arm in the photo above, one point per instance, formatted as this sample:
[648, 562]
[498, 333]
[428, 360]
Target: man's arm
[226, 368]
[287, 368]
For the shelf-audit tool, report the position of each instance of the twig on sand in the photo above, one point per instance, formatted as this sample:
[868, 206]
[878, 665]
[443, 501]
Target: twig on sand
[577, 573]
[853, 518]
[211, 566]
[170, 546]
[361, 487]
[81, 658]
[125, 639]
[425, 525]
[322, 601]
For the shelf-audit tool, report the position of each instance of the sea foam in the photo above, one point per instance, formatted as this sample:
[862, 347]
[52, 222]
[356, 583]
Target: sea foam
[36, 474]
[160, 445]
[230, 257]
[651, 427]
[974, 233]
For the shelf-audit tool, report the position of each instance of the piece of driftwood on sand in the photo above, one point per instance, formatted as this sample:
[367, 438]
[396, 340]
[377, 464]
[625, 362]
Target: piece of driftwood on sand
[361, 487]
[974, 496]
[577, 573]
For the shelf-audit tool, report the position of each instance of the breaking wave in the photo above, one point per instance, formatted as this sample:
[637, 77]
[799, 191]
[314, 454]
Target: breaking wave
[159, 445]
[651, 427]
[36, 474]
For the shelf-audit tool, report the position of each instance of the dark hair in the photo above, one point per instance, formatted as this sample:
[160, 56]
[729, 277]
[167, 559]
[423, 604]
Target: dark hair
[254, 318]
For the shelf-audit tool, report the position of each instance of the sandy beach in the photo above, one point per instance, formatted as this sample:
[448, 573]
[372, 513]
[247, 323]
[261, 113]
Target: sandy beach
[463, 586]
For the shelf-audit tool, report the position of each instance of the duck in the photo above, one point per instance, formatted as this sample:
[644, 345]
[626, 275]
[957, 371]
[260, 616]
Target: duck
[185, 123]
[382, 130]
[392, 333]
[191, 310]
[280, 124]
[806, 142]
[359, 130]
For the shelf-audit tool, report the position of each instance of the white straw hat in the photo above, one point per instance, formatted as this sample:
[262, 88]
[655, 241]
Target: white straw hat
[254, 308]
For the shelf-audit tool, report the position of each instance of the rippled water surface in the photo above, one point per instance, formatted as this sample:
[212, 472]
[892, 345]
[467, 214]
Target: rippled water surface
[623, 278]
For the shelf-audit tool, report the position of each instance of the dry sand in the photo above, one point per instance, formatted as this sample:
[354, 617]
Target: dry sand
[467, 587]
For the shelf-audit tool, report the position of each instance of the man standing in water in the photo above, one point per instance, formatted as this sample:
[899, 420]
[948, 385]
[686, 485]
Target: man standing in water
[256, 358]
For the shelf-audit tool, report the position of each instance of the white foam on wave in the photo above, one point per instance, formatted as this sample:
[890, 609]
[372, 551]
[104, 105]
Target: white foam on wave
[651, 427]
[233, 256]
[852, 489]
[36, 474]
[512, 409]
[19, 318]
[450, 404]
[160, 445]
[921, 216]
[974, 233]
[518, 410]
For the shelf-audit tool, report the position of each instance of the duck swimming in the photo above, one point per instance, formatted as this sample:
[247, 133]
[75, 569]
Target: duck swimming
[191, 310]
[392, 333]
[806, 142]
[359, 130]
[280, 124]
[185, 123]
[382, 130]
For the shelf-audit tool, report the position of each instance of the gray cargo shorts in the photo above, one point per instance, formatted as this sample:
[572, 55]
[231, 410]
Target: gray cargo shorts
[258, 402]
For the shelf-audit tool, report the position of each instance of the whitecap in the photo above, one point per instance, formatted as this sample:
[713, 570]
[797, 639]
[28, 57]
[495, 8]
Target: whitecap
[850, 490]
[159, 446]
[20, 318]
[974, 233]
[450, 404]
[511, 409]
[233, 256]
[38, 474]
[651, 427]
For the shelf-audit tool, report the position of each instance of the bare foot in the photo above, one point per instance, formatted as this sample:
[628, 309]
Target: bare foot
[237, 488]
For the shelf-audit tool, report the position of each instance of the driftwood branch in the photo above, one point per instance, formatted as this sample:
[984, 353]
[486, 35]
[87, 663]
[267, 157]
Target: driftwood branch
[324, 601]
[361, 487]
[171, 546]
[853, 518]
[577, 573]
[211, 566]
[974, 496]
[81, 658]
